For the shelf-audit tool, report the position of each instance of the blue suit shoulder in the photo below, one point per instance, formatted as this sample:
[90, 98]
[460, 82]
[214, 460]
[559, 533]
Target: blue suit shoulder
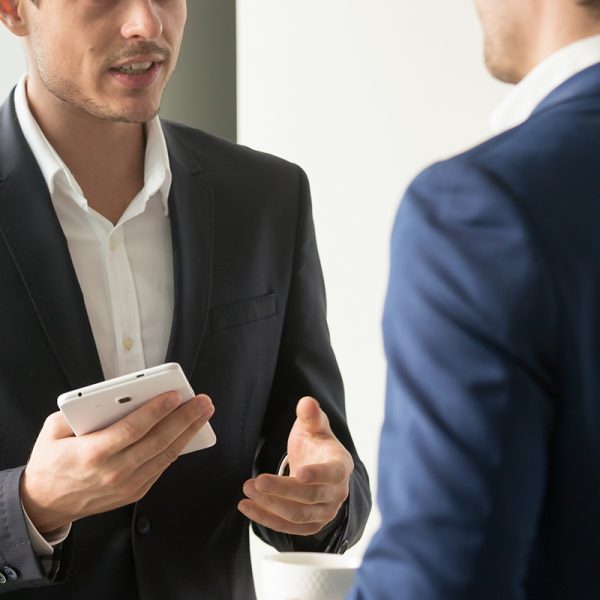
[535, 176]
[534, 163]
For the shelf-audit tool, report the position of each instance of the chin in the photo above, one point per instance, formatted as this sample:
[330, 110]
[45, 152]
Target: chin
[503, 75]
[502, 70]
[137, 116]
[126, 114]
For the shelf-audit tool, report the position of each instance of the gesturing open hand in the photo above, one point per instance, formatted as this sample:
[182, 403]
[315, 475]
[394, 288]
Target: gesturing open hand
[320, 469]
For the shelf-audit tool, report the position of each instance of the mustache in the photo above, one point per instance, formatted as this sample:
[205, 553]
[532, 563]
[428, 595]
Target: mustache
[135, 50]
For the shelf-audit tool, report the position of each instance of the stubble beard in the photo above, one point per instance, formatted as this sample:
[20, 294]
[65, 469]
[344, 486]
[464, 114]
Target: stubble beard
[500, 68]
[502, 48]
[71, 95]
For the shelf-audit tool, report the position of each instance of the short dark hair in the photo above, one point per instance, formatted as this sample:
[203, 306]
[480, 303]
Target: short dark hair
[591, 4]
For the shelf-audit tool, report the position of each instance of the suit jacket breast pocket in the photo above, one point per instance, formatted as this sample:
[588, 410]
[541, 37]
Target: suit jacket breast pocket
[245, 311]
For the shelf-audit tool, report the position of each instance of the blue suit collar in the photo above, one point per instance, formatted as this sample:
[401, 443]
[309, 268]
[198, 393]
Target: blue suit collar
[585, 83]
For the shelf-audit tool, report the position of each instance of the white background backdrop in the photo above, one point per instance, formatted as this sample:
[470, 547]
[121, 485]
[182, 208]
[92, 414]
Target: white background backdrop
[12, 62]
[362, 94]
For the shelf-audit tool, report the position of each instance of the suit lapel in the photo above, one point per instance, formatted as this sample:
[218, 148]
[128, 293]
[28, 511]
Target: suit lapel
[31, 231]
[191, 210]
[33, 235]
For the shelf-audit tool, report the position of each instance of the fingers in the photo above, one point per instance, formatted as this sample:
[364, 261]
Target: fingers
[287, 488]
[259, 515]
[165, 436]
[289, 506]
[155, 456]
[320, 489]
[331, 472]
[137, 424]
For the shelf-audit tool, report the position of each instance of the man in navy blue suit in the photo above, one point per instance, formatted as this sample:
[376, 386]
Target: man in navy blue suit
[490, 451]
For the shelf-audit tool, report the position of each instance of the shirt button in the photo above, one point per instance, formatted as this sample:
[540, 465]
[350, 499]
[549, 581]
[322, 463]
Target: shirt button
[127, 343]
[112, 243]
[143, 525]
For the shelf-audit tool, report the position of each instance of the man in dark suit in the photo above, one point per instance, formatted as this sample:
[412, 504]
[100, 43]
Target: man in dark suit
[490, 451]
[125, 241]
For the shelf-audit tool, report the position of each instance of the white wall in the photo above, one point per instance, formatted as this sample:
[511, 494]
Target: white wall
[362, 94]
[12, 62]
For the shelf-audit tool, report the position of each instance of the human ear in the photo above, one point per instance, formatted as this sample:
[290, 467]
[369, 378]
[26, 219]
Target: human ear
[10, 15]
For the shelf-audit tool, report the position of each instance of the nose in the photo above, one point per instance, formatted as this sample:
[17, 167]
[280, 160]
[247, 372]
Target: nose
[141, 21]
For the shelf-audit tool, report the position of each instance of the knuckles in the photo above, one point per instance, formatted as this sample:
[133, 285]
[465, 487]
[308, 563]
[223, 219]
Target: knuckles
[299, 516]
[115, 478]
[93, 457]
[313, 516]
[130, 431]
[318, 495]
[171, 455]
[157, 445]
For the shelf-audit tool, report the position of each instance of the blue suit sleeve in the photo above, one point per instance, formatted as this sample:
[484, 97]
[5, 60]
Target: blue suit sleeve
[469, 328]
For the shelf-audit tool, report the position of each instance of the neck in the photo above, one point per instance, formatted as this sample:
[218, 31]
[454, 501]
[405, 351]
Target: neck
[105, 157]
[559, 25]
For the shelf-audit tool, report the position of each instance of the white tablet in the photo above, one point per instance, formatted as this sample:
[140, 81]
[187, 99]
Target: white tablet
[99, 405]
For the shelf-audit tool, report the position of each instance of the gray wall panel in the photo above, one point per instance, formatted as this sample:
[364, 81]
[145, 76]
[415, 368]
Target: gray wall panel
[202, 92]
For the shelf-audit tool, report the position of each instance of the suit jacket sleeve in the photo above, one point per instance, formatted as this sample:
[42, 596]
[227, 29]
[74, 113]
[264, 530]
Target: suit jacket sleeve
[19, 565]
[307, 367]
[470, 322]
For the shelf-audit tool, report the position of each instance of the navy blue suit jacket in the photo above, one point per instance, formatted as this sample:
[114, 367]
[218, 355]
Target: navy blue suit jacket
[490, 451]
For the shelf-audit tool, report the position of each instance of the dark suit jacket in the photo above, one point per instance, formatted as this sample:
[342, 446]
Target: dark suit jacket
[249, 330]
[490, 453]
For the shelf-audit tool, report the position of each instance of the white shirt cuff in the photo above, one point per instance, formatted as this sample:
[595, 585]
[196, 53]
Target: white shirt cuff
[43, 545]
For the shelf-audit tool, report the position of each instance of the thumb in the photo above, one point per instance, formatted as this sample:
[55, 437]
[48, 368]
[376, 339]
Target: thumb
[311, 418]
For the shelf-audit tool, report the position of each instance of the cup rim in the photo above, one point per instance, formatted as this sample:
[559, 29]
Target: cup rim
[311, 560]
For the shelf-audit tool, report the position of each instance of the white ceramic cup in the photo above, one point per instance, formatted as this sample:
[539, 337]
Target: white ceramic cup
[307, 576]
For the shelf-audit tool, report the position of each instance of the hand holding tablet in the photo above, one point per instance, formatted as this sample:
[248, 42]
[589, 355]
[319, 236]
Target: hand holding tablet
[99, 405]
[129, 430]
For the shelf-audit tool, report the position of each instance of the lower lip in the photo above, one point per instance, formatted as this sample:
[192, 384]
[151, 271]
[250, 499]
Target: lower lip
[136, 81]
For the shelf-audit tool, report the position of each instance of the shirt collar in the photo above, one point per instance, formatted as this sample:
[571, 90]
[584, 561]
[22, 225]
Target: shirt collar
[157, 170]
[543, 79]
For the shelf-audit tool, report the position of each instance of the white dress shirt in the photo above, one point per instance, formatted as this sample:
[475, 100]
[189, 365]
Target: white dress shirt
[543, 79]
[125, 271]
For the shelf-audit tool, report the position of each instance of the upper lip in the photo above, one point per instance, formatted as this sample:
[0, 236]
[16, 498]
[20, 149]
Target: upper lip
[142, 58]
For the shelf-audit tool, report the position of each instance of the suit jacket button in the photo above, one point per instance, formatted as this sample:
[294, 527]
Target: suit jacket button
[343, 547]
[143, 525]
[9, 573]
